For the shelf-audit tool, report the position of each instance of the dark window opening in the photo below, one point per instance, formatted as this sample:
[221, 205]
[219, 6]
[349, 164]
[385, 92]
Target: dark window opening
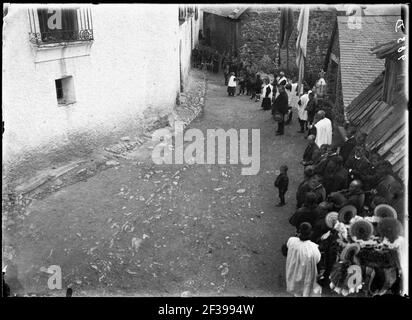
[65, 91]
[59, 89]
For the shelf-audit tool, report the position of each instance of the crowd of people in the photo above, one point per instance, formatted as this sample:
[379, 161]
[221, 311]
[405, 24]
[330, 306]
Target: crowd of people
[349, 205]
[348, 233]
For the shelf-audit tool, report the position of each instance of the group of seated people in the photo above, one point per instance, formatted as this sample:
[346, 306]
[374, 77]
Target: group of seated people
[348, 176]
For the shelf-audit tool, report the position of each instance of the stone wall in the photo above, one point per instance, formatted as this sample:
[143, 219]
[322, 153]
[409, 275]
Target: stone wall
[333, 79]
[259, 36]
[321, 23]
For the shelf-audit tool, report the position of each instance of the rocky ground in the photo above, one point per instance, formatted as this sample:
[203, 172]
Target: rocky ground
[125, 226]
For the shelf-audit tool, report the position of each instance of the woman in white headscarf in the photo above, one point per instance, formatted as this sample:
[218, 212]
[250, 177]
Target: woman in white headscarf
[267, 93]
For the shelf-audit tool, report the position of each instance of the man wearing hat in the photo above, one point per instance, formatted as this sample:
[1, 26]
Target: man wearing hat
[301, 264]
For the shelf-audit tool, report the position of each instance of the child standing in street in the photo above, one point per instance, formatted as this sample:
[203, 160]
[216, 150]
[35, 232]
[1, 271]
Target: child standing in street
[282, 182]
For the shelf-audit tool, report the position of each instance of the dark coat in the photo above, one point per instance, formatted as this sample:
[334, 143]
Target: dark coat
[360, 167]
[308, 154]
[282, 182]
[337, 181]
[303, 188]
[281, 103]
[258, 85]
[346, 148]
[305, 214]
[311, 108]
[312, 131]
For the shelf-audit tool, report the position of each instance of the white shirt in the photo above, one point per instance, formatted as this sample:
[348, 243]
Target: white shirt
[302, 113]
[301, 271]
[323, 132]
[232, 82]
[293, 98]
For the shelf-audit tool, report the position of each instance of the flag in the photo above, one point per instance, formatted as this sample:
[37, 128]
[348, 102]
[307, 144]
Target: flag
[303, 24]
[286, 26]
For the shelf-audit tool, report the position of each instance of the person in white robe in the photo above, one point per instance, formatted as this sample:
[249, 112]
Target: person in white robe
[293, 99]
[303, 256]
[302, 112]
[323, 129]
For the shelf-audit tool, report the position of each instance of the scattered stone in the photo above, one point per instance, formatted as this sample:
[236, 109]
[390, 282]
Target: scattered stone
[185, 294]
[82, 171]
[112, 163]
[225, 269]
[136, 242]
[125, 139]
[241, 191]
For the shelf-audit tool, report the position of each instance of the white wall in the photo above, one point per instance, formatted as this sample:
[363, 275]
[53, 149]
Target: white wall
[133, 65]
[189, 37]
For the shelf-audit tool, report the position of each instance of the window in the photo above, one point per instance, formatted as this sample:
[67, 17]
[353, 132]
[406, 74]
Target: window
[58, 24]
[59, 89]
[54, 25]
[65, 90]
[182, 14]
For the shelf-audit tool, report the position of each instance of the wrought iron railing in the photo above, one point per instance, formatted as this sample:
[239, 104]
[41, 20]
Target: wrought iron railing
[78, 28]
[61, 36]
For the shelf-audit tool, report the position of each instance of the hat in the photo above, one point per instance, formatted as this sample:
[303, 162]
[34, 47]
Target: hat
[361, 230]
[349, 251]
[338, 199]
[385, 211]
[389, 228]
[331, 219]
[347, 213]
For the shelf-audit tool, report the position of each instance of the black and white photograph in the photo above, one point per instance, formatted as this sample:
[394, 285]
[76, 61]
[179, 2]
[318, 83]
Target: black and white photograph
[205, 150]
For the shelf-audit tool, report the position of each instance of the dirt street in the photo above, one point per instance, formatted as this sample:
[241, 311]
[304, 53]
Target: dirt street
[167, 230]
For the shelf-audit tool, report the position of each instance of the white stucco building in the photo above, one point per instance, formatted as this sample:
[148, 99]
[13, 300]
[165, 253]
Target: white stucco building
[93, 76]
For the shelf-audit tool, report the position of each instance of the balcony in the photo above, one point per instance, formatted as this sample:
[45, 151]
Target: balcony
[60, 26]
